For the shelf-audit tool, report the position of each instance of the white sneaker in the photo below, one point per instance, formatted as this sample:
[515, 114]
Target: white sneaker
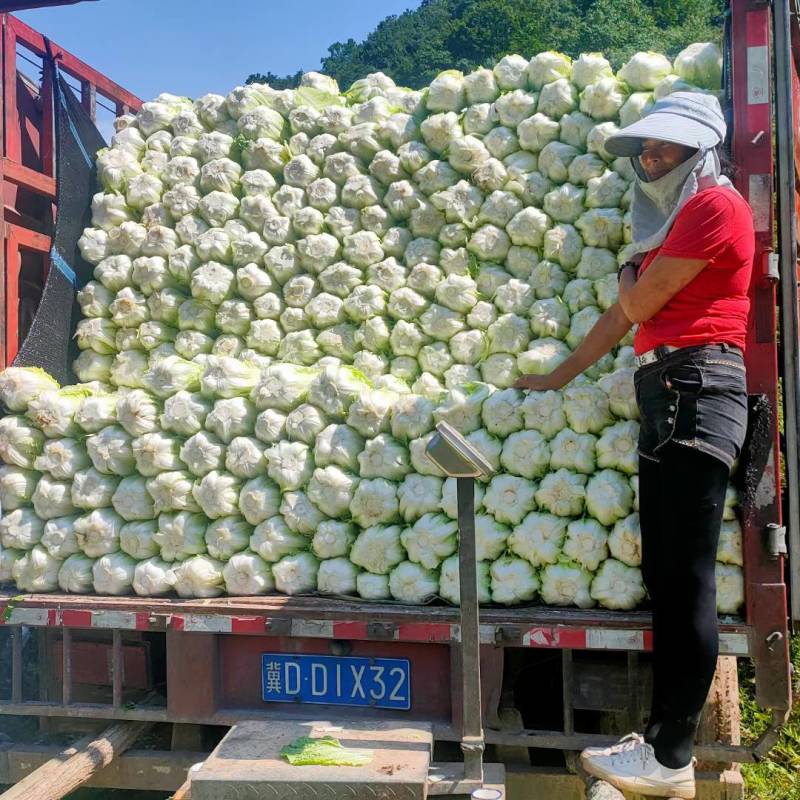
[624, 744]
[631, 765]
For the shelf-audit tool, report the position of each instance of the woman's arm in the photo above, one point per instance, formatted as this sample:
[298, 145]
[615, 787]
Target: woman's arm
[702, 230]
[606, 333]
[662, 280]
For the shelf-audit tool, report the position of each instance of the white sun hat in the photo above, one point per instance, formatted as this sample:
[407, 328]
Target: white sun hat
[688, 118]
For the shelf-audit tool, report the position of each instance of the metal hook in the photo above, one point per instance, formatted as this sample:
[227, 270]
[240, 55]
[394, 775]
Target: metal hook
[772, 639]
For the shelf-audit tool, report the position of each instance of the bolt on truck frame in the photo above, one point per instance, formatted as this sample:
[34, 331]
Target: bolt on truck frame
[198, 663]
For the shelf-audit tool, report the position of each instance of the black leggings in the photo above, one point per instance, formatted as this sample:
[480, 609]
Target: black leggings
[681, 501]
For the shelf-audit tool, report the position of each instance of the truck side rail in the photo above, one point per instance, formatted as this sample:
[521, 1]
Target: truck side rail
[27, 169]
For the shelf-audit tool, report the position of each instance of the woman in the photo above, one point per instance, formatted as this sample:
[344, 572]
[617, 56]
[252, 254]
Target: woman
[685, 284]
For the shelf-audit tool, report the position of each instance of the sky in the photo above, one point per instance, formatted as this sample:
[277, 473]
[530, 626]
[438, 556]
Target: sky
[189, 47]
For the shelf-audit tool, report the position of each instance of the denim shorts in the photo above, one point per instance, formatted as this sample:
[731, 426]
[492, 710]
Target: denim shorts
[697, 397]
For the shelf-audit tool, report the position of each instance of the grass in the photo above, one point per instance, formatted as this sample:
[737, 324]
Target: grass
[777, 777]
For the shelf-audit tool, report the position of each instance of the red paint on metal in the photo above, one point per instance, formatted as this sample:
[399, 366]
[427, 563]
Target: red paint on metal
[570, 638]
[647, 637]
[193, 674]
[27, 160]
[142, 621]
[33, 40]
[425, 632]
[176, 623]
[76, 619]
[765, 592]
[13, 144]
[248, 624]
[558, 637]
[91, 664]
[33, 180]
[350, 630]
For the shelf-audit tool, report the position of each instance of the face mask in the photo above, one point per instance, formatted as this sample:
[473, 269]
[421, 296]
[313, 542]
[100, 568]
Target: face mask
[655, 204]
[665, 191]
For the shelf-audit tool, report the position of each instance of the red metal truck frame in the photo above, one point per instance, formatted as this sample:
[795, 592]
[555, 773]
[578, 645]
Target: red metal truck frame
[198, 632]
[17, 236]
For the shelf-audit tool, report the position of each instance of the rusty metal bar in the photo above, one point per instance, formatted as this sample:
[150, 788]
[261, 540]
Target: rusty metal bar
[16, 664]
[544, 739]
[633, 690]
[32, 708]
[66, 671]
[116, 668]
[566, 689]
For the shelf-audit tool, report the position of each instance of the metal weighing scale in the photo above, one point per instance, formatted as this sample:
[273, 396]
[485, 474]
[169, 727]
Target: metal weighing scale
[247, 762]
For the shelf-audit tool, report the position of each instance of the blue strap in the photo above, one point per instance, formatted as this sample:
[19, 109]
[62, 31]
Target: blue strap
[74, 131]
[61, 265]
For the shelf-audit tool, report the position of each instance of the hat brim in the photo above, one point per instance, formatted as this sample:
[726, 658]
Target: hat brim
[664, 126]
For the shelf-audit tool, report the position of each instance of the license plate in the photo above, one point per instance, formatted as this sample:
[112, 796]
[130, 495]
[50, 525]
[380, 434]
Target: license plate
[336, 680]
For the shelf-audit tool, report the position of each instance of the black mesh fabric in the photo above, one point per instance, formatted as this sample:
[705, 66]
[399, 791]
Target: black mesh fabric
[49, 343]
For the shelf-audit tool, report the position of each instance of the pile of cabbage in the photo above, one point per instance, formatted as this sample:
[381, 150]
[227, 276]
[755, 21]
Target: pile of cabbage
[291, 288]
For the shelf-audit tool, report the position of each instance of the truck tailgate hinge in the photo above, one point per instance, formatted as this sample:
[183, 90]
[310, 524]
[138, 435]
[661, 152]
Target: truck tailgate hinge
[773, 270]
[776, 540]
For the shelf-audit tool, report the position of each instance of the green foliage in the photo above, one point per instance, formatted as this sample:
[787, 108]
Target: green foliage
[777, 777]
[275, 81]
[463, 34]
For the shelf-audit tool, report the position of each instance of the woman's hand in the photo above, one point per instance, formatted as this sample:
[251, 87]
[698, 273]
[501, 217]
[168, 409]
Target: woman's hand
[606, 333]
[537, 383]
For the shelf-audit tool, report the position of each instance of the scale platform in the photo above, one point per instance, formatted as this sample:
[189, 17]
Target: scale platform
[247, 763]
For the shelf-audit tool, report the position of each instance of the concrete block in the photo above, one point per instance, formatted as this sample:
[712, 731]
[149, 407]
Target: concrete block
[247, 763]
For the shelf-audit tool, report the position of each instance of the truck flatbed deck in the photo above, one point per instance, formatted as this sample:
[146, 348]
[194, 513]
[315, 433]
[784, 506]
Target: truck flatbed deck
[334, 618]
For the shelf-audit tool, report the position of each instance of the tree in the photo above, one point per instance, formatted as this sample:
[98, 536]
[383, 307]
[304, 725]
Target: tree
[463, 34]
[276, 82]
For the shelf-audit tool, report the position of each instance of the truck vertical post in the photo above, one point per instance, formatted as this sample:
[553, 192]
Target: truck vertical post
[786, 89]
[458, 459]
[472, 742]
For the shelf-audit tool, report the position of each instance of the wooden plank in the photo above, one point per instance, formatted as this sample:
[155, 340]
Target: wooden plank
[15, 768]
[184, 792]
[63, 775]
[154, 770]
[722, 715]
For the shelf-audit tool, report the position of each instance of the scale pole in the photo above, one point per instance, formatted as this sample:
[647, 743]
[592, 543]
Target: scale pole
[472, 741]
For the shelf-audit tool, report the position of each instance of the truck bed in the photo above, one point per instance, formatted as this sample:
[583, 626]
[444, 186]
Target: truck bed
[326, 617]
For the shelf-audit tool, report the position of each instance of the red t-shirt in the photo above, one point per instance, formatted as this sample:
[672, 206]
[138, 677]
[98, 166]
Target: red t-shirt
[716, 225]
